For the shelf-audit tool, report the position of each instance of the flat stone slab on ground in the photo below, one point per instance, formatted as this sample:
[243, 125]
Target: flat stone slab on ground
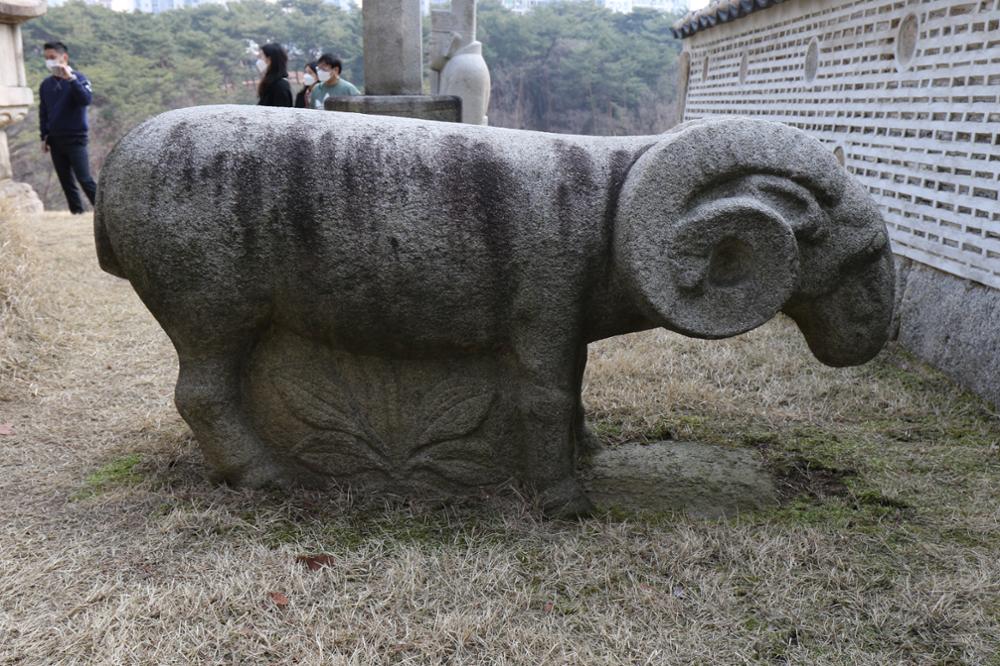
[701, 480]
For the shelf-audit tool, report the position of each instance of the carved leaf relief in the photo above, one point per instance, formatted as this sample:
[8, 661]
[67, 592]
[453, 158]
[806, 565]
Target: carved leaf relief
[342, 457]
[375, 425]
[453, 410]
[466, 462]
[327, 406]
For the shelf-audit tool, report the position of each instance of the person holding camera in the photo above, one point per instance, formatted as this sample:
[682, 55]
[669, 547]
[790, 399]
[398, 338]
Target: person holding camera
[62, 113]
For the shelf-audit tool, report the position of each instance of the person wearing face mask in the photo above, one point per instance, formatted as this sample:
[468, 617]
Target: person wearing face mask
[309, 80]
[273, 89]
[62, 113]
[330, 85]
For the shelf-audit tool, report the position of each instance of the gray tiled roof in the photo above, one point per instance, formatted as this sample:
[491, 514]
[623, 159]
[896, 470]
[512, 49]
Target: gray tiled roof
[719, 11]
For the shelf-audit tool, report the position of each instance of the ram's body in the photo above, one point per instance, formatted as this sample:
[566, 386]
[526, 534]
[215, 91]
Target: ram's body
[379, 235]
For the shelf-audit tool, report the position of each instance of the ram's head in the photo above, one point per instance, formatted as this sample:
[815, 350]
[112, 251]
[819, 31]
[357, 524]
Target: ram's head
[724, 223]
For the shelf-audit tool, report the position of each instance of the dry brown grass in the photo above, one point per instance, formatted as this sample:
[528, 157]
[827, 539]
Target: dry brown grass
[16, 307]
[114, 548]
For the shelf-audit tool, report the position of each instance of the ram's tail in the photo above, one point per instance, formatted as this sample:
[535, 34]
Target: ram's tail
[105, 254]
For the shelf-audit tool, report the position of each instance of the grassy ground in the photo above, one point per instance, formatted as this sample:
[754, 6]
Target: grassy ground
[115, 549]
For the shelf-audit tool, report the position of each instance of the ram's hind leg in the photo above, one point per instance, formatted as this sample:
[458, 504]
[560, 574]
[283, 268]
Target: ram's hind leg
[214, 344]
[587, 442]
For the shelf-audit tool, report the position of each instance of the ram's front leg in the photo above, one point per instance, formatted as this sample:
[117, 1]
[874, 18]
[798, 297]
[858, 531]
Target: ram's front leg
[549, 398]
[208, 397]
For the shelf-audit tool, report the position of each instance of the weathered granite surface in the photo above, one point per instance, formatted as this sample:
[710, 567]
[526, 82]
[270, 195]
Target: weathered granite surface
[19, 199]
[422, 325]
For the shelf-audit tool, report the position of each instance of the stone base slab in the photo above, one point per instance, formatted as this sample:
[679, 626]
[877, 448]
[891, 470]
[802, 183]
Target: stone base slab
[19, 198]
[951, 323]
[700, 480]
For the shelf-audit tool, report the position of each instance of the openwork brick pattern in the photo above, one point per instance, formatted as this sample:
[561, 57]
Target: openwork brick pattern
[906, 93]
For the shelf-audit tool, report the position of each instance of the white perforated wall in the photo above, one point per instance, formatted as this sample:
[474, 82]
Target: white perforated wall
[907, 93]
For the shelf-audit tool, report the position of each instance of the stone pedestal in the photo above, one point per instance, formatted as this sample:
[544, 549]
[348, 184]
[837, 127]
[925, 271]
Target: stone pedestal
[15, 96]
[446, 108]
[700, 480]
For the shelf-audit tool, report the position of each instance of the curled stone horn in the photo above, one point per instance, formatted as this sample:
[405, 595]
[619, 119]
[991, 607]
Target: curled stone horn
[708, 254]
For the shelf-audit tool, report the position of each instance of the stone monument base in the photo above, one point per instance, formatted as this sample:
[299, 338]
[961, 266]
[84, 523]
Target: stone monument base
[950, 323]
[446, 108]
[19, 198]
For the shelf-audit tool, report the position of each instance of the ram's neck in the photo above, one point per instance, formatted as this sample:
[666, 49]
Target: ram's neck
[612, 309]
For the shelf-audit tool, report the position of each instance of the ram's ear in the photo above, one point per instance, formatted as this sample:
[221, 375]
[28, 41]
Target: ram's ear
[707, 254]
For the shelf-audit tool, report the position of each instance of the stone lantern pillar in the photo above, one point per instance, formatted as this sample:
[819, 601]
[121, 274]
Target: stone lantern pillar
[15, 95]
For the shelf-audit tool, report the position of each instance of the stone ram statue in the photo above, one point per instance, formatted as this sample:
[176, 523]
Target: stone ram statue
[407, 304]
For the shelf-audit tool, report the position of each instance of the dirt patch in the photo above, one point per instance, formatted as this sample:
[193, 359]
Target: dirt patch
[798, 477]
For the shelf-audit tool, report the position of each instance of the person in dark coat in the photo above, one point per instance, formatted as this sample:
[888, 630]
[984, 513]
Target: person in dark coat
[62, 113]
[273, 89]
[309, 79]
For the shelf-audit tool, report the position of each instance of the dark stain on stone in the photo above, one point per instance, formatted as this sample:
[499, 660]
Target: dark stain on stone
[298, 194]
[246, 176]
[179, 143]
[488, 194]
[577, 184]
[178, 149]
[218, 164]
[620, 165]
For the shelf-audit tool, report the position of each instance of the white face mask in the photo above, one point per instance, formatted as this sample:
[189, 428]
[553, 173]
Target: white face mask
[308, 79]
[324, 75]
[52, 64]
[261, 65]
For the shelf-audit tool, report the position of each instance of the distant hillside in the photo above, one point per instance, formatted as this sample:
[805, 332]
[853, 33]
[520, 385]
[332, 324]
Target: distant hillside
[570, 68]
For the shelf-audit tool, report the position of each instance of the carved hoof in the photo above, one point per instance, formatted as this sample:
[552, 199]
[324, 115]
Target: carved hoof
[566, 500]
[587, 442]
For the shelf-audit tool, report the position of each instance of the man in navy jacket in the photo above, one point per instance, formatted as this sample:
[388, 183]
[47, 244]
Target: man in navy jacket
[64, 98]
